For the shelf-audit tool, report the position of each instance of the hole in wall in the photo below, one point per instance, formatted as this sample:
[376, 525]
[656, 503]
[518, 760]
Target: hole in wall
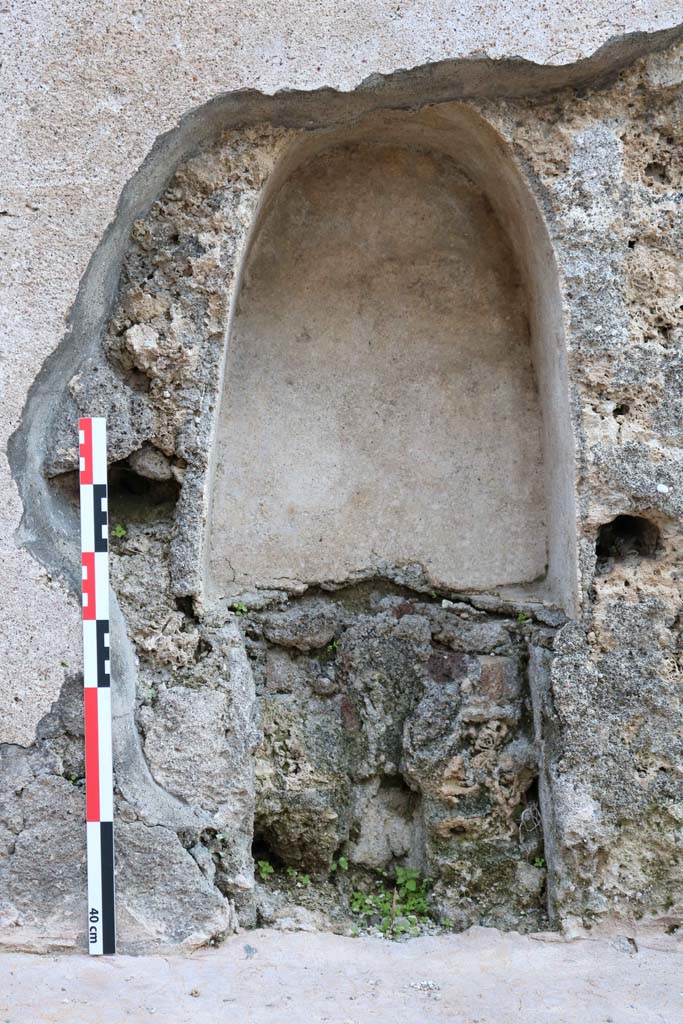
[263, 852]
[657, 171]
[185, 605]
[132, 497]
[531, 823]
[137, 381]
[627, 536]
[67, 486]
[137, 499]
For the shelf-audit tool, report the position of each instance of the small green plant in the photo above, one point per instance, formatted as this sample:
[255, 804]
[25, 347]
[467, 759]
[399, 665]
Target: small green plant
[539, 862]
[395, 911]
[265, 869]
[119, 531]
[332, 647]
[303, 881]
[239, 608]
[522, 617]
[340, 865]
[412, 891]
[366, 903]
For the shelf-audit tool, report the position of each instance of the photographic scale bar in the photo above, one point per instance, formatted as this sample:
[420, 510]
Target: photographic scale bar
[99, 781]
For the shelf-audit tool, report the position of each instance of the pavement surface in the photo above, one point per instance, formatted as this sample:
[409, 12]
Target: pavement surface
[267, 977]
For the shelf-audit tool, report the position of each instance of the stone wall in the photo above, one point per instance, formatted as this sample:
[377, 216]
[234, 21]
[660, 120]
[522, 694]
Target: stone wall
[482, 734]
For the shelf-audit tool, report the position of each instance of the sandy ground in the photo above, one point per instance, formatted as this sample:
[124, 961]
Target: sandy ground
[267, 977]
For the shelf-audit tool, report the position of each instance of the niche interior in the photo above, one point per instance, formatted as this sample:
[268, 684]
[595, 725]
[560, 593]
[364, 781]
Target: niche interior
[394, 399]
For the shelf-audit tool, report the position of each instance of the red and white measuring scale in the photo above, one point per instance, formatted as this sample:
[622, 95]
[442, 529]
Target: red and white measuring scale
[99, 782]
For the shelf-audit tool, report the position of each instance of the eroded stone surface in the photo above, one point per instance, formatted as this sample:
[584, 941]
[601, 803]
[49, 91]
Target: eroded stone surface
[415, 754]
[164, 898]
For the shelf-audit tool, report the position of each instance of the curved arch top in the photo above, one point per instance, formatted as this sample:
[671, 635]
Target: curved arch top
[395, 393]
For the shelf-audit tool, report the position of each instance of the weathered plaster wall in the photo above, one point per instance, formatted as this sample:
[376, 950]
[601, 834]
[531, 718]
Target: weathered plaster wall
[604, 170]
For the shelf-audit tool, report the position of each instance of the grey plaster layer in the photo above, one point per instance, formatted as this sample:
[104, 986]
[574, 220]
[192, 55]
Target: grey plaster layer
[86, 108]
[268, 977]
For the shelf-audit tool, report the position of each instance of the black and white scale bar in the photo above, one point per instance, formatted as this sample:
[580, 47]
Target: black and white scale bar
[101, 914]
[99, 781]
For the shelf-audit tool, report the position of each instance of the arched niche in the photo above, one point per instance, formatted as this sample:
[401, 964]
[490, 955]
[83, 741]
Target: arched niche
[394, 392]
